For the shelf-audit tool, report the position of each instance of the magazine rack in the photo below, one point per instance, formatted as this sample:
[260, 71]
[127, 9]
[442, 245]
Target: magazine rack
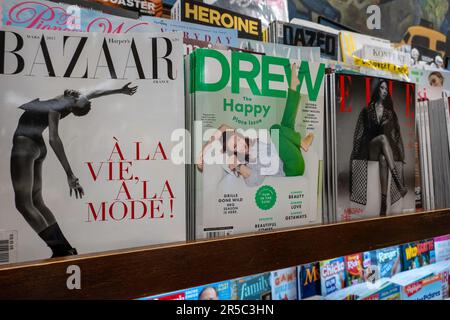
[139, 272]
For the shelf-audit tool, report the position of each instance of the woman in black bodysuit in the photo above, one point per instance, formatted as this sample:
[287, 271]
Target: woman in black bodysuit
[377, 137]
[28, 154]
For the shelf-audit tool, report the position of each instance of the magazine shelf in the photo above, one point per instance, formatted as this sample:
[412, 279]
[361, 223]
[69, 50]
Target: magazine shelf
[139, 272]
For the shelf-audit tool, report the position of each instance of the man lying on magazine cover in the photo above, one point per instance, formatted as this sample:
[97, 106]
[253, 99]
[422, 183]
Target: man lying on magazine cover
[246, 155]
[29, 152]
[377, 137]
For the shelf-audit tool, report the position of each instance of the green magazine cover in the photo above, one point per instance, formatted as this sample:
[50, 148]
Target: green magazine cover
[257, 130]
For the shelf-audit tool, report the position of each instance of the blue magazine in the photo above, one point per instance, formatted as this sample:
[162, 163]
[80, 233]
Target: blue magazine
[255, 287]
[309, 280]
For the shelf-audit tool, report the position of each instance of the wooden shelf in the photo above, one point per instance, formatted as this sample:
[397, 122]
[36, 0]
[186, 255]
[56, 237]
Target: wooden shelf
[134, 273]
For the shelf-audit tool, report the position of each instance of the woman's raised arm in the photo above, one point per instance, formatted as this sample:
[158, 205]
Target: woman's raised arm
[126, 89]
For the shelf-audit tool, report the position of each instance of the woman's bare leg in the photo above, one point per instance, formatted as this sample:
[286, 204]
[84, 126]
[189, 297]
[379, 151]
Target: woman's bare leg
[23, 155]
[52, 235]
[38, 201]
[26, 176]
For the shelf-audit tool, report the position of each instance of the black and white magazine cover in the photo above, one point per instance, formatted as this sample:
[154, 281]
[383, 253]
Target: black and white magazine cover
[86, 125]
[375, 146]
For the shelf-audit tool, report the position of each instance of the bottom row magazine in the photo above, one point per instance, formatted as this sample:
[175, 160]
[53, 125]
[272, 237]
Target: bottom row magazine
[414, 271]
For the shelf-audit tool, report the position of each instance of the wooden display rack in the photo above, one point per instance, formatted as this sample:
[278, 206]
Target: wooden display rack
[144, 271]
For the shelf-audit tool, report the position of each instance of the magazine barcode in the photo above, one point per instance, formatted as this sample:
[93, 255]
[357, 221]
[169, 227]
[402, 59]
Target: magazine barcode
[215, 234]
[4, 251]
[280, 30]
[11, 242]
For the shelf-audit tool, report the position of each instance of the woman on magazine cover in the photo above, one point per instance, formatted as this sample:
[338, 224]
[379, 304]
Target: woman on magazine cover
[246, 155]
[436, 79]
[28, 155]
[377, 137]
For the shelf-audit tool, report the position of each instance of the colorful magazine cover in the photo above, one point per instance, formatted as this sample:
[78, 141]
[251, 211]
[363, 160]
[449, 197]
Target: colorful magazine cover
[396, 56]
[382, 61]
[284, 284]
[45, 15]
[264, 10]
[417, 254]
[333, 276]
[144, 7]
[370, 270]
[387, 261]
[436, 81]
[442, 248]
[255, 287]
[109, 8]
[375, 139]
[375, 56]
[442, 269]
[419, 286]
[381, 289]
[87, 163]
[351, 42]
[354, 269]
[176, 295]
[309, 280]
[258, 145]
[388, 291]
[347, 293]
[248, 27]
[214, 291]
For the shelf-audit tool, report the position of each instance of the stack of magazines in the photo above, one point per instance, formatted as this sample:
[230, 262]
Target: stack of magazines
[433, 123]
